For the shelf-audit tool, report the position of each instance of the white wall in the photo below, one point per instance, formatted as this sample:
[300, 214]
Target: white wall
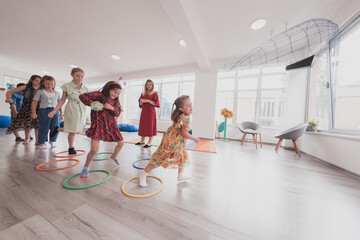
[5, 107]
[342, 151]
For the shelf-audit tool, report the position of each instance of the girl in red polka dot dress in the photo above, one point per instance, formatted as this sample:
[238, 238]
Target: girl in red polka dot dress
[105, 108]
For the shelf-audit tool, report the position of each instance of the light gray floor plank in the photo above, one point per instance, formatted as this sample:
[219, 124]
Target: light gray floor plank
[12, 209]
[87, 222]
[35, 227]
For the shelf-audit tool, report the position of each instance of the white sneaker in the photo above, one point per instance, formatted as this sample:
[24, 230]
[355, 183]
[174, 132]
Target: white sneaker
[43, 146]
[182, 177]
[52, 144]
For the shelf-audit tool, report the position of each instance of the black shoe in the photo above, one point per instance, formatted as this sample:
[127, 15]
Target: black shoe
[72, 151]
[31, 138]
[52, 134]
[147, 146]
[139, 143]
[19, 139]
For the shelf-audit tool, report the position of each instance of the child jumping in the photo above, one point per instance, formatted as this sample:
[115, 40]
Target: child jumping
[75, 110]
[48, 99]
[173, 141]
[103, 125]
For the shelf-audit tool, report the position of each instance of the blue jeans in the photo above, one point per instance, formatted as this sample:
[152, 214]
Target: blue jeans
[46, 124]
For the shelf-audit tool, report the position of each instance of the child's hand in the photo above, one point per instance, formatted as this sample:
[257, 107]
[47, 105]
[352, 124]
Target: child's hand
[8, 100]
[197, 140]
[108, 106]
[34, 116]
[51, 114]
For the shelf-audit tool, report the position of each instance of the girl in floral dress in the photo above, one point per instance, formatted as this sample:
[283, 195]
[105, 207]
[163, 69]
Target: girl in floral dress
[23, 120]
[103, 125]
[173, 142]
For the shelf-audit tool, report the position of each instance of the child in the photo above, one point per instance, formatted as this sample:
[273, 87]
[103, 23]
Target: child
[48, 99]
[173, 141]
[148, 101]
[103, 125]
[23, 120]
[17, 98]
[75, 110]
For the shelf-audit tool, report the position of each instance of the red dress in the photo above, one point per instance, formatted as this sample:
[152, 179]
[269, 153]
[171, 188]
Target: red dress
[103, 125]
[147, 125]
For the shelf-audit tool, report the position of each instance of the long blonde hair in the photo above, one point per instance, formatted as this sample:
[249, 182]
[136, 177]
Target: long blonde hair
[178, 103]
[145, 92]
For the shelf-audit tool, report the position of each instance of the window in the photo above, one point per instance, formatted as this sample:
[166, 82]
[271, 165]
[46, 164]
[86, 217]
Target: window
[319, 94]
[255, 95]
[345, 74]
[334, 94]
[11, 82]
[168, 88]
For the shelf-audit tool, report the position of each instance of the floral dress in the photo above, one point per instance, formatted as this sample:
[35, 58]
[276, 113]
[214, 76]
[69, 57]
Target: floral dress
[23, 119]
[172, 148]
[103, 125]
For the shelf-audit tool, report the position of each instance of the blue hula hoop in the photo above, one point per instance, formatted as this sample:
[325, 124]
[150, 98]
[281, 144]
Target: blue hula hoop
[144, 159]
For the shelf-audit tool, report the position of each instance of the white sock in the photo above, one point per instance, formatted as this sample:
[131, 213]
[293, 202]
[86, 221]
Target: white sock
[142, 178]
[183, 177]
[53, 145]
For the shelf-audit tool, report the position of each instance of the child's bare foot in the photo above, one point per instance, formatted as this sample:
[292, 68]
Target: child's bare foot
[26, 141]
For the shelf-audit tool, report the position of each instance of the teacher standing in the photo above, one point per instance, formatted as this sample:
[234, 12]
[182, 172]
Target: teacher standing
[148, 101]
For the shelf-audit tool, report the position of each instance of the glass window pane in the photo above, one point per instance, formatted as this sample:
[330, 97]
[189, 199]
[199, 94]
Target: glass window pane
[319, 94]
[247, 83]
[172, 79]
[226, 84]
[273, 81]
[223, 74]
[272, 102]
[170, 91]
[133, 109]
[246, 106]
[347, 82]
[248, 72]
[224, 100]
[276, 69]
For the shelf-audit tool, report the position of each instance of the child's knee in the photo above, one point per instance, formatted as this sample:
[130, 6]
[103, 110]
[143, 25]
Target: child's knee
[121, 143]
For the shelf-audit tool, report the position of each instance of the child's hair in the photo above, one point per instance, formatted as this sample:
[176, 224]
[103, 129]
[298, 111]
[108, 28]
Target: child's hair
[75, 70]
[145, 89]
[178, 103]
[46, 78]
[105, 91]
[20, 84]
[32, 78]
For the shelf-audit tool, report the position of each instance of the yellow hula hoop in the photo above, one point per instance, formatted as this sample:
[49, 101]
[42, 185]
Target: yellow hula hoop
[142, 196]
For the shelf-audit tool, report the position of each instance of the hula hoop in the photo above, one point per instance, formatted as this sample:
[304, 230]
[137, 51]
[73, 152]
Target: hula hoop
[89, 186]
[142, 196]
[71, 155]
[144, 159]
[102, 159]
[53, 169]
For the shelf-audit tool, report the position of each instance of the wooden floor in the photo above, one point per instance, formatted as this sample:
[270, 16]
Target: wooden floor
[238, 193]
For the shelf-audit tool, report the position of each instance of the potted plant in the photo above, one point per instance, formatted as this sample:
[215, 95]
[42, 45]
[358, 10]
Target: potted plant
[227, 114]
[312, 125]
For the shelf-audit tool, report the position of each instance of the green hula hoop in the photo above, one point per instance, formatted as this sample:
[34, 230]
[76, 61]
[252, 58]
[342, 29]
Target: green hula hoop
[89, 186]
[102, 159]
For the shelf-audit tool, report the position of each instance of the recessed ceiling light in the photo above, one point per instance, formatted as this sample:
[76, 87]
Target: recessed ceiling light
[116, 57]
[258, 24]
[46, 72]
[73, 66]
[182, 42]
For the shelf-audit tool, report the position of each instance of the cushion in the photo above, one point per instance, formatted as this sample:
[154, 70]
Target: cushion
[4, 121]
[125, 127]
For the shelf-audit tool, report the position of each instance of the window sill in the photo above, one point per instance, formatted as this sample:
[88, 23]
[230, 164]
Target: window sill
[335, 135]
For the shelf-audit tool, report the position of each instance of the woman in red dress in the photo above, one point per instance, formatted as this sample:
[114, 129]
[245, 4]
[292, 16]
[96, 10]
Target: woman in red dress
[148, 101]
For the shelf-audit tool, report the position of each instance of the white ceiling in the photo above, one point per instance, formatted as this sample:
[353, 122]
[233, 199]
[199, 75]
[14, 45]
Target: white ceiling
[49, 35]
